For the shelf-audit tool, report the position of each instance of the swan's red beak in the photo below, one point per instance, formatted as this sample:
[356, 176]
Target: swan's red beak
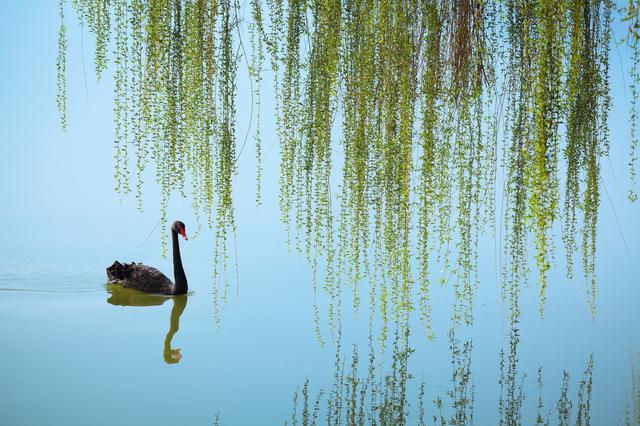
[183, 233]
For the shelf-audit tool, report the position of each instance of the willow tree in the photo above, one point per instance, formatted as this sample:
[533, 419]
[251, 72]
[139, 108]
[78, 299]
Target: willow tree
[422, 93]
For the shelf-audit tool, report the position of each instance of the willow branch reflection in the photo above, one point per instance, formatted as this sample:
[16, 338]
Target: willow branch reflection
[120, 296]
[632, 404]
[384, 395]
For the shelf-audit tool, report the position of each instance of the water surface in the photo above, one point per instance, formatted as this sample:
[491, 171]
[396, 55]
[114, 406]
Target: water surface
[78, 352]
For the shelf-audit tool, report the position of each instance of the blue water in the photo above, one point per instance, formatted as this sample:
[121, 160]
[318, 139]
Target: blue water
[74, 353]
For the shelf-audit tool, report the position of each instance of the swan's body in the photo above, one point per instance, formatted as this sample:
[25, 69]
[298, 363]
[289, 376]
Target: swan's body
[139, 277]
[148, 279]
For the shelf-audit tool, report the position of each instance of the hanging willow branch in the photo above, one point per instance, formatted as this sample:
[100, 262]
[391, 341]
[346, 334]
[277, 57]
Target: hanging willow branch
[410, 95]
[587, 136]
[632, 17]
[547, 107]
[61, 63]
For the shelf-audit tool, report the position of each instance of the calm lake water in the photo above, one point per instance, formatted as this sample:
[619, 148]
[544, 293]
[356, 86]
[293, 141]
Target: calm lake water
[76, 352]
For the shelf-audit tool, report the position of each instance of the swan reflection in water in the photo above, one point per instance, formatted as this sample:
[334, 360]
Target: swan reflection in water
[120, 296]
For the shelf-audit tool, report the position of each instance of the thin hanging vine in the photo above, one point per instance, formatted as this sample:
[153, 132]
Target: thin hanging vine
[61, 64]
[632, 17]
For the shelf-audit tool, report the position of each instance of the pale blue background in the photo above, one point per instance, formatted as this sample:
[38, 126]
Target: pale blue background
[63, 221]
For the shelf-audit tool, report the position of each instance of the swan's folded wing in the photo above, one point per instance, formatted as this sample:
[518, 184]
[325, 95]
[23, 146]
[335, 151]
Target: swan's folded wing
[145, 278]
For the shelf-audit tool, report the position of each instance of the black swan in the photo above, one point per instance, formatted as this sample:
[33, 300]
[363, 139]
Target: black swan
[148, 279]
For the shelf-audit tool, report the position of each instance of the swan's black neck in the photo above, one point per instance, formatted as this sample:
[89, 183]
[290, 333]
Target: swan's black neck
[180, 279]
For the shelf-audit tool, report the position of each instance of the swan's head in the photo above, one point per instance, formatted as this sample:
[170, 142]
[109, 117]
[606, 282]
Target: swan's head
[179, 228]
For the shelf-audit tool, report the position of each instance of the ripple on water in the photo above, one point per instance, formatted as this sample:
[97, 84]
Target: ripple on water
[25, 277]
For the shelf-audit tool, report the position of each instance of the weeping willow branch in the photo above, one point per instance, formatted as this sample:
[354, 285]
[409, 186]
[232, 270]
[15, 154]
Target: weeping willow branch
[61, 63]
[587, 136]
[632, 17]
